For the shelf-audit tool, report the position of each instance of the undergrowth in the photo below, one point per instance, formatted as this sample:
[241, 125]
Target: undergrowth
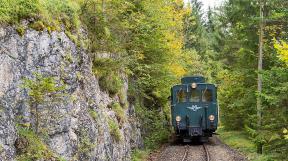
[107, 70]
[120, 113]
[240, 140]
[154, 131]
[35, 149]
[48, 13]
[93, 114]
[139, 155]
[114, 130]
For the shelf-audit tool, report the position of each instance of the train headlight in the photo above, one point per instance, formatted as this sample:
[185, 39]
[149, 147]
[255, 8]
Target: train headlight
[211, 117]
[194, 85]
[178, 118]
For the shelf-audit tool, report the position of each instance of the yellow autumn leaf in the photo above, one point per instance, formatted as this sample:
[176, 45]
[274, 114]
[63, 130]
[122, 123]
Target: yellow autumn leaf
[285, 131]
[177, 70]
[282, 49]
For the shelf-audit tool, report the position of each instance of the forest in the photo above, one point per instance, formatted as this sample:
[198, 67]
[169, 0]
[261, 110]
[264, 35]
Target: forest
[241, 46]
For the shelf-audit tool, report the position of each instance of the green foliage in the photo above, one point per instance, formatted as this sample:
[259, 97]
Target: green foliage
[122, 99]
[14, 10]
[139, 155]
[1, 148]
[236, 24]
[108, 72]
[110, 23]
[85, 145]
[111, 82]
[153, 129]
[72, 37]
[241, 141]
[36, 149]
[38, 26]
[119, 111]
[41, 87]
[62, 11]
[68, 58]
[93, 114]
[114, 130]
[20, 30]
[158, 42]
[50, 13]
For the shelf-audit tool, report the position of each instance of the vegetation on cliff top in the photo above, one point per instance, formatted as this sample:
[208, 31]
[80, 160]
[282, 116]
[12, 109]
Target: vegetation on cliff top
[52, 13]
[159, 41]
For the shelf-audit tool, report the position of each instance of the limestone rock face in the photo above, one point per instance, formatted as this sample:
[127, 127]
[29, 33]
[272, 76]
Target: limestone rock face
[70, 130]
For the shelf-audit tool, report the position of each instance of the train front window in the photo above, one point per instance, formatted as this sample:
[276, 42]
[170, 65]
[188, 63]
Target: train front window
[181, 96]
[207, 96]
[194, 95]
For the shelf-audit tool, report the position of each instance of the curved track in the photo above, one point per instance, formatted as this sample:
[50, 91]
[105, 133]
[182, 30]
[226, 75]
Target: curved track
[206, 152]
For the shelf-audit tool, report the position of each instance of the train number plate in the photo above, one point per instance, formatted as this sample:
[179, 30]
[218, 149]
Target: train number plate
[195, 131]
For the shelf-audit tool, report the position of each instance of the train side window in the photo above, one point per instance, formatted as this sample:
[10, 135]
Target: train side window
[207, 96]
[194, 95]
[181, 96]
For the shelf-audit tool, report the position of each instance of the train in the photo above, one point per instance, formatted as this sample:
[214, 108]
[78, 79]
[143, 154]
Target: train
[194, 109]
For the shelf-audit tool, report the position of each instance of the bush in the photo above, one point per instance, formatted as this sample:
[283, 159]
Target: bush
[39, 89]
[139, 155]
[120, 113]
[108, 72]
[30, 147]
[122, 99]
[153, 129]
[111, 82]
[20, 30]
[114, 130]
[38, 26]
[49, 12]
[93, 114]
[13, 11]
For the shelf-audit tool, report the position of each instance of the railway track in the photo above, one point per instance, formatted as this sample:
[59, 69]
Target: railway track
[184, 158]
[206, 152]
[214, 150]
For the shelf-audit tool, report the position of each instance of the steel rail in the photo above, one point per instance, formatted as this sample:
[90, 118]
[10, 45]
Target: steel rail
[206, 152]
[186, 153]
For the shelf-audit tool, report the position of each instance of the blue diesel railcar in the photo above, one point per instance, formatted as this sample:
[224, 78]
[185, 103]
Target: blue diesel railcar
[194, 108]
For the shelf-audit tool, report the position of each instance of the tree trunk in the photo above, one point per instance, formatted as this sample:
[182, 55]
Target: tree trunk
[260, 67]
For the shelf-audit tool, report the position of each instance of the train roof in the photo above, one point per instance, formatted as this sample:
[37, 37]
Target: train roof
[188, 84]
[188, 80]
[192, 79]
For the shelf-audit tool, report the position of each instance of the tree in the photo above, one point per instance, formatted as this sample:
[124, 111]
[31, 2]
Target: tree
[260, 67]
[39, 89]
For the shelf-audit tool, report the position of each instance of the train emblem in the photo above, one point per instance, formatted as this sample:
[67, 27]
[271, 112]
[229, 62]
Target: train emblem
[194, 108]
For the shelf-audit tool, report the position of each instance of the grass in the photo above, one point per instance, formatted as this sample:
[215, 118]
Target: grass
[240, 140]
[114, 130]
[93, 114]
[38, 26]
[20, 30]
[49, 13]
[32, 147]
[120, 113]
[107, 70]
[154, 132]
[140, 155]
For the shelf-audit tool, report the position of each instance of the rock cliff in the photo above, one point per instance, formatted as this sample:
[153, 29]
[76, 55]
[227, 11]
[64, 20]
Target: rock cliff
[76, 125]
